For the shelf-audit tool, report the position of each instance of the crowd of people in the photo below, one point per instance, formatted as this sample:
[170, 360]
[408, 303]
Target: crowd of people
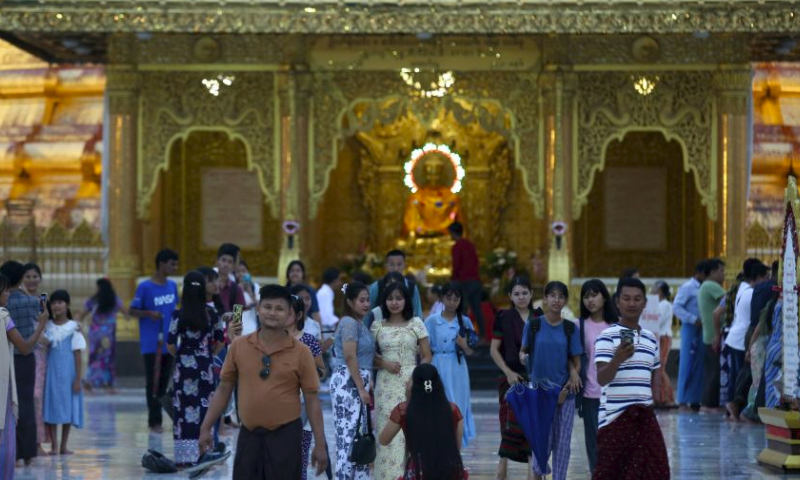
[41, 377]
[725, 339]
[221, 348]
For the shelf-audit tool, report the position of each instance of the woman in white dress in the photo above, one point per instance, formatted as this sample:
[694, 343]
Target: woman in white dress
[399, 337]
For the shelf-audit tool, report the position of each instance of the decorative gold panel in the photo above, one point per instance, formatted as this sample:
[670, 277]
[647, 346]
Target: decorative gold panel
[174, 104]
[662, 51]
[681, 107]
[502, 103]
[184, 50]
[686, 228]
[182, 197]
[337, 17]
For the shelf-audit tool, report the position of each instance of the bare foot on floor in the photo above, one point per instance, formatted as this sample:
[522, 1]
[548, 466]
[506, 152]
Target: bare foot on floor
[733, 412]
[64, 451]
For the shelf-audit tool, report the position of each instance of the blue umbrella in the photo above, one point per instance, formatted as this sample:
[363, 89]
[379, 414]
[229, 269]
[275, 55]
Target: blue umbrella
[535, 407]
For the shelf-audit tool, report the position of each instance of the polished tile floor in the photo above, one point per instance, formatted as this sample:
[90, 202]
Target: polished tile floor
[113, 440]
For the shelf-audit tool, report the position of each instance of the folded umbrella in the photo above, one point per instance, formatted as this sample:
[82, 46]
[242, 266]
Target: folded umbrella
[535, 408]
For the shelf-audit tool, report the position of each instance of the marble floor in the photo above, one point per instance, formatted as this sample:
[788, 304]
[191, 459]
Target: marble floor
[113, 440]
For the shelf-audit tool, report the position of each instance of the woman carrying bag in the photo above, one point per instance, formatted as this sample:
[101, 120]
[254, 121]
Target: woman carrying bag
[350, 383]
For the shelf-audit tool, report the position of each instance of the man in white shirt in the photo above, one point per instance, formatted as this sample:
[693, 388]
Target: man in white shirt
[755, 272]
[331, 281]
[629, 442]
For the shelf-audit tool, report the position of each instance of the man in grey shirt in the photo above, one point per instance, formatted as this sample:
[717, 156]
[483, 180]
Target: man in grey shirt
[24, 310]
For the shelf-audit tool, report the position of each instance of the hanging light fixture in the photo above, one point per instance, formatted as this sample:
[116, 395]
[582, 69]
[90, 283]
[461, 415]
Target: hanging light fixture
[643, 85]
[429, 84]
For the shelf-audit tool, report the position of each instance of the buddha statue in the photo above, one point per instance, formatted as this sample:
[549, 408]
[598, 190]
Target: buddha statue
[433, 206]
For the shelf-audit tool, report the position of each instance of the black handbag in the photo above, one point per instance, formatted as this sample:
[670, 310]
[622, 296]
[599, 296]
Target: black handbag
[364, 449]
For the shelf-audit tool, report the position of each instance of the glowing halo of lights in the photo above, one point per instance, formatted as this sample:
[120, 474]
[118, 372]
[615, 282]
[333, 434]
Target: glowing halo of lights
[427, 149]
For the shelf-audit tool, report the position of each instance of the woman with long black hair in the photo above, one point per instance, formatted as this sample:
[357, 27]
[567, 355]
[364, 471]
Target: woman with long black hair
[452, 339]
[195, 337]
[504, 349]
[400, 336]
[295, 329]
[351, 378]
[296, 275]
[103, 307]
[597, 314]
[433, 428]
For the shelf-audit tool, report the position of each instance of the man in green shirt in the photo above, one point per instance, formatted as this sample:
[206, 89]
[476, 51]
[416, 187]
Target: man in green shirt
[708, 298]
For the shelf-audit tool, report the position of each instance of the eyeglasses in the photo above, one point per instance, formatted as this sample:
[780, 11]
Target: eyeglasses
[265, 361]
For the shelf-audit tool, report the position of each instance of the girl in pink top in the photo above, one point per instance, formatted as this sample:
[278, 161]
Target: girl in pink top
[597, 314]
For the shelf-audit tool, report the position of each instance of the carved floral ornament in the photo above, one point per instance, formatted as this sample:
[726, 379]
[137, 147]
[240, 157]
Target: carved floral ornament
[500, 102]
[435, 17]
[174, 104]
[681, 107]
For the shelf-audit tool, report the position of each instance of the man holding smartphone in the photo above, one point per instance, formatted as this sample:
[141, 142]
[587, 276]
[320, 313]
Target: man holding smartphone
[629, 443]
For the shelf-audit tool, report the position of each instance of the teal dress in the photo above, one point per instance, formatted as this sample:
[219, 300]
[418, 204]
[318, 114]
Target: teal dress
[452, 365]
[61, 405]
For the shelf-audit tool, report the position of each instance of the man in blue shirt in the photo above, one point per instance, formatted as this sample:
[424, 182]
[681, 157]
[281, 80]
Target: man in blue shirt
[153, 304]
[693, 350]
[396, 262]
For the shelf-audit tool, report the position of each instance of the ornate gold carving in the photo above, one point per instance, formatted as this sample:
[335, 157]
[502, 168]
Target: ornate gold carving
[121, 48]
[176, 103]
[511, 17]
[681, 107]
[505, 103]
[679, 49]
[178, 50]
[206, 50]
[734, 90]
[122, 85]
[686, 224]
[645, 50]
[182, 192]
[450, 52]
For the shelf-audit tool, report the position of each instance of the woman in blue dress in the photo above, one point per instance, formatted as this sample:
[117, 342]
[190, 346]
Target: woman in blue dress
[63, 395]
[452, 338]
[195, 338]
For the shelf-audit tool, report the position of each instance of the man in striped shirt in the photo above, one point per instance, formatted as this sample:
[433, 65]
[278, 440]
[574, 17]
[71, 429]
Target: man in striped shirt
[629, 444]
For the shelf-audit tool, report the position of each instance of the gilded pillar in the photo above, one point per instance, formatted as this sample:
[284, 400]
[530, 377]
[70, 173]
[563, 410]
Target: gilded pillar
[558, 94]
[124, 261]
[733, 85]
[293, 94]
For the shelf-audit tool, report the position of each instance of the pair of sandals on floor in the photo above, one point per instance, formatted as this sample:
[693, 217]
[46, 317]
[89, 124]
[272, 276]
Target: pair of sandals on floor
[154, 461]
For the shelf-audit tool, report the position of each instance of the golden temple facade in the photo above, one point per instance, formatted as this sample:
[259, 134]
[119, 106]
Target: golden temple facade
[593, 136]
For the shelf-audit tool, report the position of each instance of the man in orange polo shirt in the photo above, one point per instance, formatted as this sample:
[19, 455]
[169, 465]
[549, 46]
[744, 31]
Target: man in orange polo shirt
[270, 368]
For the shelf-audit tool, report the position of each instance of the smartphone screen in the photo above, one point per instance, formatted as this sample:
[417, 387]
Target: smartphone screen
[237, 313]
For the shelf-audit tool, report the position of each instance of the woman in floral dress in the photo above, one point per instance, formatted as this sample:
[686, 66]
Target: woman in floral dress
[103, 307]
[195, 337]
[398, 337]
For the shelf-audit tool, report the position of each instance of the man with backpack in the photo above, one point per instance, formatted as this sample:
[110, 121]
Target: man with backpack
[396, 262]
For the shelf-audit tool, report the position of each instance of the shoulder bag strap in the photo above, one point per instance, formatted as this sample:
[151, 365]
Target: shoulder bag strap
[368, 426]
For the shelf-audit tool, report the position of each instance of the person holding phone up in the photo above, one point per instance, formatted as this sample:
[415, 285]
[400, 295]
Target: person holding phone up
[629, 443]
